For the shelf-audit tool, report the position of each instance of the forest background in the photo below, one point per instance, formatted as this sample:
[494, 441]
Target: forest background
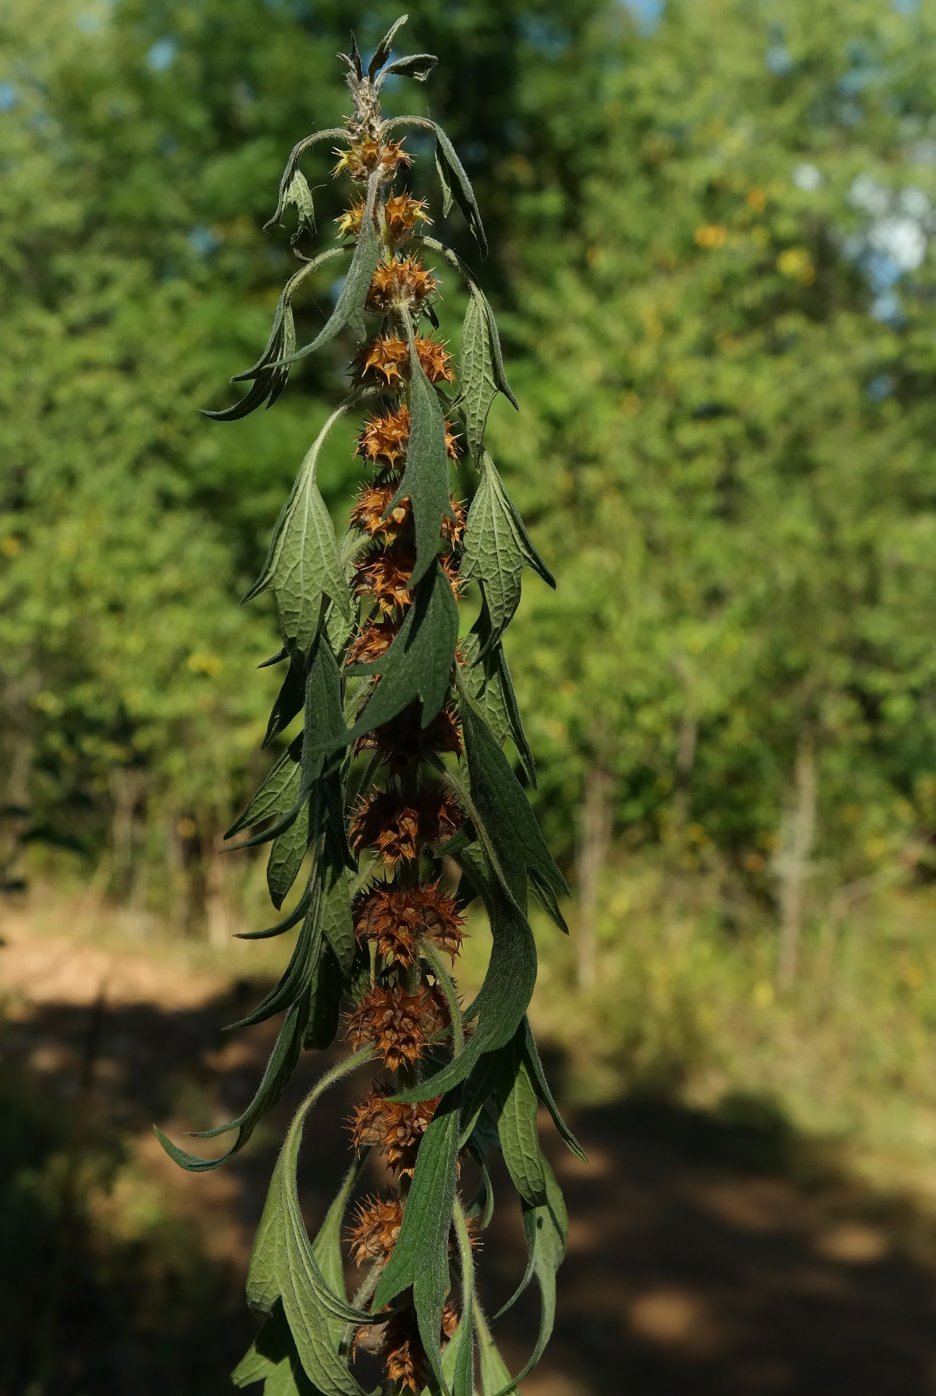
[711, 227]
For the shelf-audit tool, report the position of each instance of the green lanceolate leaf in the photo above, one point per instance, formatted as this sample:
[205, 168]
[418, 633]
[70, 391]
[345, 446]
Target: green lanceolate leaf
[478, 385]
[349, 307]
[420, 1257]
[303, 564]
[426, 474]
[271, 371]
[417, 665]
[287, 852]
[458, 1358]
[487, 678]
[291, 919]
[337, 921]
[481, 359]
[383, 50]
[413, 65]
[454, 181]
[516, 1126]
[508, 825]
[538, 1075]
[272, 1359]
[336, 133]
[546, 1227]
[276, 795]
[297, 977]
[497, 547]
[286, 1268]
[502, 999]
[275, 1078]
[288, 702]
[495, 1377]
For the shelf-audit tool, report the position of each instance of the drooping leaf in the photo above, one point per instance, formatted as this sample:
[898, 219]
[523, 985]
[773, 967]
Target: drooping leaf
[275, 1078]
[535, 1066]
[420, 1256]
[487, 678]
[495, 1377]
[288, 702]
[272, 1359]
[271, 371]
[417, 665]
[337, 921]
[546, 1228]
[484, 354]
[296, 979]
[502, 999]
[303, 564]
[452, 177]
[299, 195]
[335, 133]
[497, 547]
[285, 1267]
[276, 795]
[287, 852]
[507, 824]
[349, 307]
[413, 65]
[291, 919]
[426, 473]
[517, 1129]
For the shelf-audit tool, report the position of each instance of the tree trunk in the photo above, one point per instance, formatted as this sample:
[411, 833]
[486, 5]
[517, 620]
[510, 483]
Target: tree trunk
[594, 840]
[794, 862]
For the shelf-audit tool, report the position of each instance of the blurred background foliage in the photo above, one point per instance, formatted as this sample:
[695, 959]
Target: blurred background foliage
[710, 228]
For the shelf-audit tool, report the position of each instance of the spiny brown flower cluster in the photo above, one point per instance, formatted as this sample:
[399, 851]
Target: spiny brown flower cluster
[385, 575]
[400, 828]
[363, 156]
[398, 1024]
[386, 361]
[376, 1228]
[393, 1128]
[397, 919]
[402, 283]
[384, 437]
[404, 742]
[401, 214]
[372, 515]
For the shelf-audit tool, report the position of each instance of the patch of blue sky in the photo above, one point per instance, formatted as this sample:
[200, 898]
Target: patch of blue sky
[162, 55]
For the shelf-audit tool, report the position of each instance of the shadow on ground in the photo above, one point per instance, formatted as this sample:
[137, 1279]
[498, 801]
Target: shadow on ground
[711, 1254]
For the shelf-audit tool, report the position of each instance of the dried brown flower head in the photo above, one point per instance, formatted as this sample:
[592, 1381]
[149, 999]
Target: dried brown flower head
[371, 517]
[397, 1023]
[386, 360]
[373, 640]
[397, 918]
[401, 214]
[376, 1227]
[393, 1128]
[399, 829]
[404, 741]
[363, 156]
[402, 282]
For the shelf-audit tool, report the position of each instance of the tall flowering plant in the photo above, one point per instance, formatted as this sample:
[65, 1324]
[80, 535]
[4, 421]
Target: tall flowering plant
[397, 804]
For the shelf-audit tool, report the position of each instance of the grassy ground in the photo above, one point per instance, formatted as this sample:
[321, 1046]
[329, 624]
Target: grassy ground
[758, 1216]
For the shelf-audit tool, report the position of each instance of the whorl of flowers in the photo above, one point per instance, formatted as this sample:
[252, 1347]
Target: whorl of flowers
[397, 807]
